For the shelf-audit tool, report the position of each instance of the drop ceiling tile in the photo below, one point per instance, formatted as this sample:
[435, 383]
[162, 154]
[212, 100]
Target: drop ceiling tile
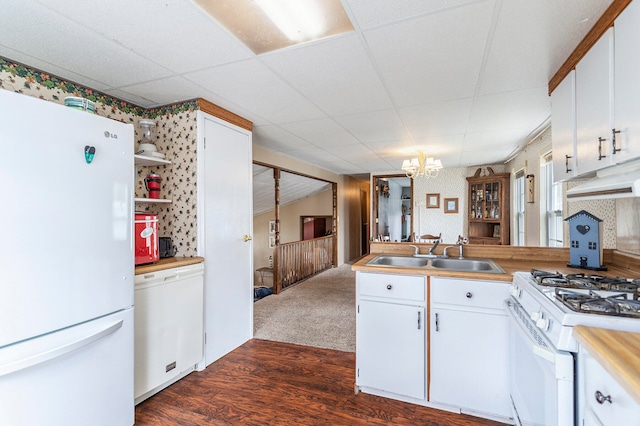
[257, 89]
[165, 91]
[143, 30]
[436, 119]
[510, 110]
[489, 155]
[275, 138]
[502, 143]
[352, 152]
[51, 69]
[344, 167]
[370, 13]
[130, 97]
[321, 133]
[442, 61]
[375, 126]
[313, 156]
[509, 66]
[335, 74]
[76, 48]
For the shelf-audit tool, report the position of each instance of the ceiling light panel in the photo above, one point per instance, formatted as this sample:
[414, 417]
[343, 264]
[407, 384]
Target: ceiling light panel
[266, 25]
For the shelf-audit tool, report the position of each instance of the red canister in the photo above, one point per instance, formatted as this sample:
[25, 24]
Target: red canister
[146, 238]
[152, 183]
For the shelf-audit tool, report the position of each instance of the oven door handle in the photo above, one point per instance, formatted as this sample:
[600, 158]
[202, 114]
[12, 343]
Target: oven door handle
[544, 353]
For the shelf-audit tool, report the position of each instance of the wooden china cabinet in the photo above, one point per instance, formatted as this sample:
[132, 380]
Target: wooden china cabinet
[489, 208]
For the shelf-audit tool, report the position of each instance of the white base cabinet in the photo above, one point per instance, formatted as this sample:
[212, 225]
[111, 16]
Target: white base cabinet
[390, 334]
[469, 352]
[602, 400]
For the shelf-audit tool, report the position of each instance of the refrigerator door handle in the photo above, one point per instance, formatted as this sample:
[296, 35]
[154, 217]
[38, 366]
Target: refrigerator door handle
[74, 342]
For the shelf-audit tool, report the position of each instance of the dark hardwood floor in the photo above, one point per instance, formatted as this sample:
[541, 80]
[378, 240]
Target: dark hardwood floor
[270, 383]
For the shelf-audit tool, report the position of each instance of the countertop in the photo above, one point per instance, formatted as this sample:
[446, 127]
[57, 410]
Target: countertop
[510, 267]
[510, 258]
[167, 263]
[617, 351]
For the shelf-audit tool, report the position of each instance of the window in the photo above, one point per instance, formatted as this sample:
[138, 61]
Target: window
[552, 205]
[519, 209]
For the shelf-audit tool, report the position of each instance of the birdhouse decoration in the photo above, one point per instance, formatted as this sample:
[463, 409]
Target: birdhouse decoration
[585, 234]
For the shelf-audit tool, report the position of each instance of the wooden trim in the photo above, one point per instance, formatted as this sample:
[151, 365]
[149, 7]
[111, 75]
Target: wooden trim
[334, 224]
[598, 29]
[226, 115]
[293, 172]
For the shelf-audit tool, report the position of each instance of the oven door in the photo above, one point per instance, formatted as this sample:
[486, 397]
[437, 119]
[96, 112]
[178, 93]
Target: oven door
[541, 377]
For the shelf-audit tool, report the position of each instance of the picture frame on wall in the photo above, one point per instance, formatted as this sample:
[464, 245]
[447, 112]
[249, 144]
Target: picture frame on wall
[272, 241]
[451, 205]
[272, 226]
[433, 201]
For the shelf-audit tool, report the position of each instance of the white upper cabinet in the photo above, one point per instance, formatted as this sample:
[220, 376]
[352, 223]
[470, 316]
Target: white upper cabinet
[563, 131]
[594, 106]
[627, 84]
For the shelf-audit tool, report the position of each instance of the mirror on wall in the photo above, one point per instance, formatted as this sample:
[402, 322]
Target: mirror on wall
[392, 208]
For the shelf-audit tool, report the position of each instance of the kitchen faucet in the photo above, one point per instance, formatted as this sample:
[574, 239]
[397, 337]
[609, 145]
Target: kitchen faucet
[444, 252]
[461, 241]
[434, 247]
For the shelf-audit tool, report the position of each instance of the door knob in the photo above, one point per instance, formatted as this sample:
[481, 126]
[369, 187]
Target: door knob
[247, 238]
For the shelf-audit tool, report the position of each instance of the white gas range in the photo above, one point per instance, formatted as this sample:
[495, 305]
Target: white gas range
[544, 307]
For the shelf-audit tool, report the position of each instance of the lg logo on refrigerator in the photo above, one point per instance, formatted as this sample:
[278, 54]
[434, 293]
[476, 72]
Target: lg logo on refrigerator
[110, 135]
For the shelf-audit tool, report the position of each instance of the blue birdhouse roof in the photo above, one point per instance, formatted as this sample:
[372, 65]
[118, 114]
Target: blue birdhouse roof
[583, 213]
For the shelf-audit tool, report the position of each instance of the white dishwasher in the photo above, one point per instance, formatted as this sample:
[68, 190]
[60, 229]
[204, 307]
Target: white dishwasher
[169, 331]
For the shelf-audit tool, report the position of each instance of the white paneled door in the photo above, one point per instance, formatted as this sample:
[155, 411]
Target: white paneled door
[225, 222]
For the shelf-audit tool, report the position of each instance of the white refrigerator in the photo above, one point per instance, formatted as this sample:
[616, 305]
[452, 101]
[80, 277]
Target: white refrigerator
[66, 266]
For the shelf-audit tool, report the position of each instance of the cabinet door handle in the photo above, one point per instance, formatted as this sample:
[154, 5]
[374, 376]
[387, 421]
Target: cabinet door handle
[389, 286]
[600, 156]
[601, 398]
[419, 325]
[437, 323]
[566, 163]
[469, 295]
[613, 140]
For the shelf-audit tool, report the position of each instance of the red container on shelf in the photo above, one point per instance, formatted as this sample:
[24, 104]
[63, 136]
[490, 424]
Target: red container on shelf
[152, 183]
[146, 238]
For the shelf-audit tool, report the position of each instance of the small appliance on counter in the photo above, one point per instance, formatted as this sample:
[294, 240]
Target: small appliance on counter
[167, 249]
[146, 238]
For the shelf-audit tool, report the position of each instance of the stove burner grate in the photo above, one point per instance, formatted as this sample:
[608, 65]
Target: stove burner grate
[591, 302]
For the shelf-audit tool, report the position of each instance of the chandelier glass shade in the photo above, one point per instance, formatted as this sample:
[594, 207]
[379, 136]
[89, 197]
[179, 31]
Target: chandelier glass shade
[422, 166]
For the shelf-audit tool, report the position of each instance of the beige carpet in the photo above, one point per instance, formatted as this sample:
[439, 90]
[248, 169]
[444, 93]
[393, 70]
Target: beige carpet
[318, 312]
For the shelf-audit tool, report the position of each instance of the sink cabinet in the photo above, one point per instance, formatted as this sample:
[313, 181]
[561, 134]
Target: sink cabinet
[391, 334]
[468, 346]
[489, 208]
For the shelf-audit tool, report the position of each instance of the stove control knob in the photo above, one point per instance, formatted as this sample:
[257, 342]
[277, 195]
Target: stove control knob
[535, 316]
[542, 323]
[515, 291]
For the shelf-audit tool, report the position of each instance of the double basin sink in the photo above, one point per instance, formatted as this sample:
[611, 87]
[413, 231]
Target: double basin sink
[437, 263]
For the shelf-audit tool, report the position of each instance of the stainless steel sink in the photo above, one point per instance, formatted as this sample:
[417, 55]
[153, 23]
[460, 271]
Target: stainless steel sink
[398, 261]
[442, 264]
[472, 265]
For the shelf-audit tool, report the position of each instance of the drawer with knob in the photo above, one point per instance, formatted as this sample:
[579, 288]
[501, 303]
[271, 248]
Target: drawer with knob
[405, 287]
[605, 399]
[472, 293]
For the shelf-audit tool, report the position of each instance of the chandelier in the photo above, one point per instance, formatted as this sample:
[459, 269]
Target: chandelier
[422, 166]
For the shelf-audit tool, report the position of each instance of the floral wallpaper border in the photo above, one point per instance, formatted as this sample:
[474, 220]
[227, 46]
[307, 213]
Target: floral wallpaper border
[175, 133]
[34, 77]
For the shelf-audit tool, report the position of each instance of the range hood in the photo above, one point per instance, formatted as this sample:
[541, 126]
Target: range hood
[622, 181]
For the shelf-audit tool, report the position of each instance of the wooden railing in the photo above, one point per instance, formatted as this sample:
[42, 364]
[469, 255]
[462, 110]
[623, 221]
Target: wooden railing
[295, 262]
